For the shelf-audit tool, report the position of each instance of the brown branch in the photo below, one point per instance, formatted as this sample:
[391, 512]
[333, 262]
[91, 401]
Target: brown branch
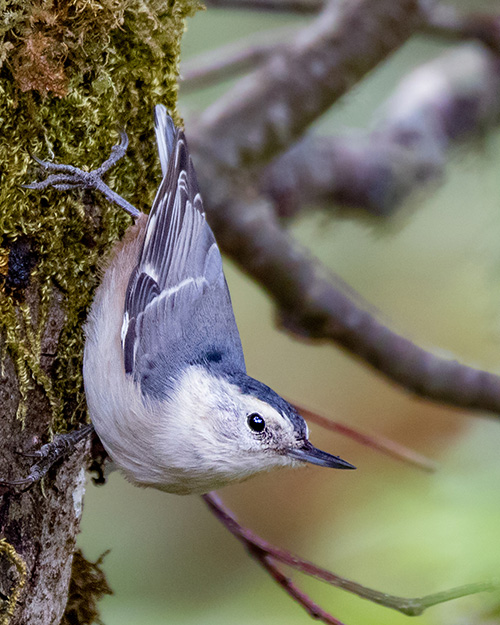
[380, 443]
[233, 59]
[310, 306]
[445, 21]
[442, 20]
[265, 553]
[305, 7]
[435, 107]
[268, 110]
[356, 170]
[262, 116]
[312, 608]
[248, 231]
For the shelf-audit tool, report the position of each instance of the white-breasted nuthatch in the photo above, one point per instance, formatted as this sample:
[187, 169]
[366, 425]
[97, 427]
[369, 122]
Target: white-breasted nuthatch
[164, 371]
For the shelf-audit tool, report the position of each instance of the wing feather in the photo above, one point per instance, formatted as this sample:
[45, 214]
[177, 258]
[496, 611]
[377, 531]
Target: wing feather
[177, 303]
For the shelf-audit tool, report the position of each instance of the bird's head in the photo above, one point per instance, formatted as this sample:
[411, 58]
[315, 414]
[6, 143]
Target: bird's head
[234, 426]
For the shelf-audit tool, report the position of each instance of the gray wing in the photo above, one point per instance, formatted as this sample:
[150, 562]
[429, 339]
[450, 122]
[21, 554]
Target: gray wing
[177, 307]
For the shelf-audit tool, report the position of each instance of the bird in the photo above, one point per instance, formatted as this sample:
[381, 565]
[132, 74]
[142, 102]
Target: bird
[164, 372]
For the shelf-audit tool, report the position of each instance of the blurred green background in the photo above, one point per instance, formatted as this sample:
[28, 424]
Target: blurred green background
[433, 271]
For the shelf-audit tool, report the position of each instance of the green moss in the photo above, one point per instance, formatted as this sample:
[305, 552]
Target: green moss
[8, 605]
[72, 74]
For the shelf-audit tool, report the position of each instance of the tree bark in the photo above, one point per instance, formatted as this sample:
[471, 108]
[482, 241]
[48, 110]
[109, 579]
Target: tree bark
[63, 99]
[39, 525]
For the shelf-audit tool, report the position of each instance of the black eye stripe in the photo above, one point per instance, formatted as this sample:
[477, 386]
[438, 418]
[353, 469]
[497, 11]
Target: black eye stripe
[255, 422]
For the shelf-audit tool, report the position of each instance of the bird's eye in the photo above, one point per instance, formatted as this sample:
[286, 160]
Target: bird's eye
[256, 422]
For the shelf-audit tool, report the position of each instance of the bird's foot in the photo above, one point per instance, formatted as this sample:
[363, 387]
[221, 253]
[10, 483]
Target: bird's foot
[66, 177]
[48, 455]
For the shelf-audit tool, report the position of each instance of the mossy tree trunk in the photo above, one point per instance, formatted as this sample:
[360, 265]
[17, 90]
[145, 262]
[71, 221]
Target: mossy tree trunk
[71, 75]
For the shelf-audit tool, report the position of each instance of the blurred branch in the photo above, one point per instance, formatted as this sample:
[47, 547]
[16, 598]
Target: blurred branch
[233, 59]
[267, 555]
[439, 104]
[229, 63]
[266, 111]
[311, 306]
[379, 443]
[445, 21]
[305, 7]
[312, 608]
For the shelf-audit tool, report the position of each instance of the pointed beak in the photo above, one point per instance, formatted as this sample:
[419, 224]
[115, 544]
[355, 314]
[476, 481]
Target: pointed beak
[309, 453]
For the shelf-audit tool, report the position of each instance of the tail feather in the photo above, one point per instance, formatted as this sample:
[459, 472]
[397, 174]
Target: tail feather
[165, 135]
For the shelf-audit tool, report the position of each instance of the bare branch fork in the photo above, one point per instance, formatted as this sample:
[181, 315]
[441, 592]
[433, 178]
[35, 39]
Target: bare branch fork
[406, 147]
[442, 19]
[438, 105]
[233, 59]
[263, 116]
[269, 109]
[310, 305]
[268, 556]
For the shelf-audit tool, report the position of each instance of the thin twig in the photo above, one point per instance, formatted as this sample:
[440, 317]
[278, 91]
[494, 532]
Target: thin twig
[303, 7]
[235, 58]
[260, 549]
[380, 443]
[311, 607]
[196, 76]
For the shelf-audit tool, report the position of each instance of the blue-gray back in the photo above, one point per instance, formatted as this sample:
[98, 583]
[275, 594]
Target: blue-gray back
[177, 308]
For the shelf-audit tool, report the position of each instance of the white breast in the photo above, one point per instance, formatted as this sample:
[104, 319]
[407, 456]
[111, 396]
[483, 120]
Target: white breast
[122, 421]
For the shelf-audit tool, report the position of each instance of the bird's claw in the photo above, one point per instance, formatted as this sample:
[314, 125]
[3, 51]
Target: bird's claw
[61, 182]
[31, 454]
[47, 456]
[118, 151]
[67, 177]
